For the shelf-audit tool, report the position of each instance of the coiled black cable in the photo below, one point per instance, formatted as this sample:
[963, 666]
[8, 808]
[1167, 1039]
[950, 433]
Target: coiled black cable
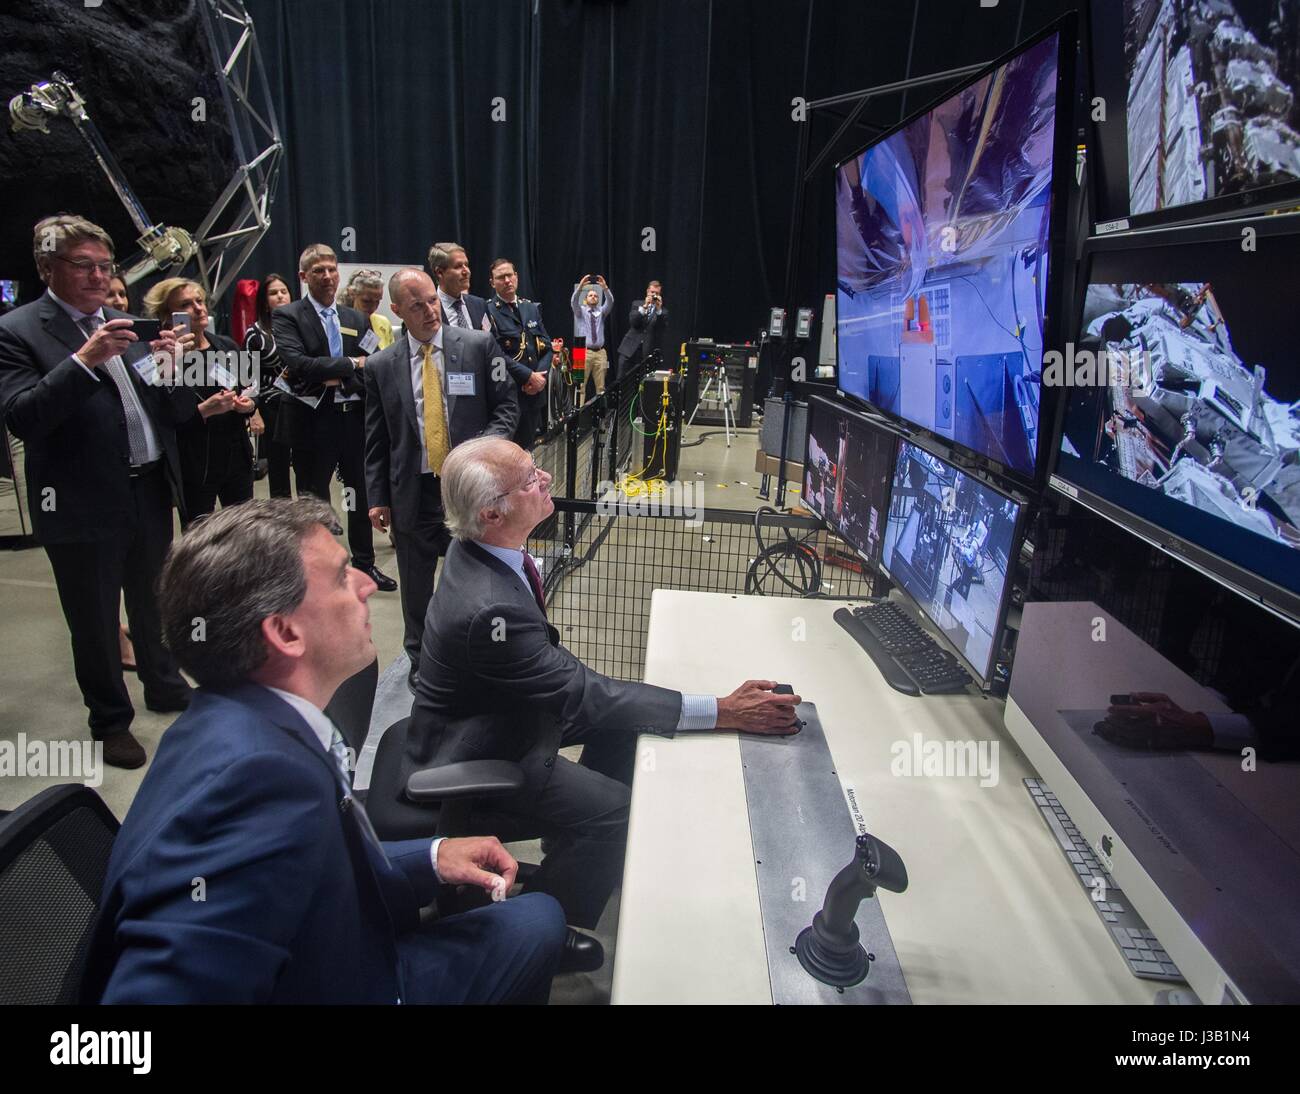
[805, 559]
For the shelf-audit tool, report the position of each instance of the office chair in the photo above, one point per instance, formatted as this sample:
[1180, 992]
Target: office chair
[54, 853]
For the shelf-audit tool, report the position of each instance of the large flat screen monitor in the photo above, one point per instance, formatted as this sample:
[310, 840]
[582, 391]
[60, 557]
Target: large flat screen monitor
[1189, 801]
[848, 469]
[1194, 108]
[948, 237]
[1187, 430]
[950, 541]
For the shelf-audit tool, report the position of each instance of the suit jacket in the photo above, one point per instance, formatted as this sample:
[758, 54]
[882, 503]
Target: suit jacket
[475, 311]
[393, 431]
[299, 906]
[73, 426]
[643, 333]
[304, 348]
[495, 683]
[526, 344]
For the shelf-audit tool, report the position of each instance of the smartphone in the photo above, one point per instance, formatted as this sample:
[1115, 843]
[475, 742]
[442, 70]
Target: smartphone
[147, 330]
[181, 322]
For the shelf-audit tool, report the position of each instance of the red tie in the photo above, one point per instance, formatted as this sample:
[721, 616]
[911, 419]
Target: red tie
[535, 580]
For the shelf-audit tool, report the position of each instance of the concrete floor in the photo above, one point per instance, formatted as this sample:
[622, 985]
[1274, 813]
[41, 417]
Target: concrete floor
[39, 697]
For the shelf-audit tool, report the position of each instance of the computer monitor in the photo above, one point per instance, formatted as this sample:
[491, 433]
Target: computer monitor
[1194, 108]
[949, 235]
[1187, 800]
[950, 541]
[848, 469]
[1183, 421]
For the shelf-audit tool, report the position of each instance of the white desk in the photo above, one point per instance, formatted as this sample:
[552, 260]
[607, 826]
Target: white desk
[993, 912]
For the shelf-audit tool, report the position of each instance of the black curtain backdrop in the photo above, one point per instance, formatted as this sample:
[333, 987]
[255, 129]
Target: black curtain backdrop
[640, 139]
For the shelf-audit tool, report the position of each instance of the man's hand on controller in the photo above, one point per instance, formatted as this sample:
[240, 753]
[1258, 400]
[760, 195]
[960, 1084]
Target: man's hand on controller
[754, 708]
[477, 860]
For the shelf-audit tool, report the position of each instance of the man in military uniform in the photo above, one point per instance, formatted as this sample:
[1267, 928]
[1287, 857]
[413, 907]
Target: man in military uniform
[517, 325]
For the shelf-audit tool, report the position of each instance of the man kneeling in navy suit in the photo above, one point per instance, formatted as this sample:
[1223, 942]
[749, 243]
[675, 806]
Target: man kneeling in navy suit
[245, 872]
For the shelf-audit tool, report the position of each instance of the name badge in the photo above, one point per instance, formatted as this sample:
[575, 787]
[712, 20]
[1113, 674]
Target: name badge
[348, 330]
[369, 343]
[146, 368]
[460, 383]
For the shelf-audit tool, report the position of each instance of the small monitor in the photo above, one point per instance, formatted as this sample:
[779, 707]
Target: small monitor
[848, 468]
[950, 541]
[1183, 412]
[949, 245]
[1194, 109]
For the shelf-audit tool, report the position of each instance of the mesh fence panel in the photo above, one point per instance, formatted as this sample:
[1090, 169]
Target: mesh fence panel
[599, 583]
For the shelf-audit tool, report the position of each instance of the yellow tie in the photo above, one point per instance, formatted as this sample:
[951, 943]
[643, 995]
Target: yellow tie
[436, 441]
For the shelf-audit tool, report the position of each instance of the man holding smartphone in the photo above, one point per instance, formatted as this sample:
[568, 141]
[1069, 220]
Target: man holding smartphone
[646, 325]
[103, 471]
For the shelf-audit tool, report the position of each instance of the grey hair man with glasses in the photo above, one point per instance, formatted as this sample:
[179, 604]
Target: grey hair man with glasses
[495, 683]
[79, 388]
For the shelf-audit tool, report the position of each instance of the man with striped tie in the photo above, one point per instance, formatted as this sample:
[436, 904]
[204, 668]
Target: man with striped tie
[78, 388]
[431, 389]
[449, 267]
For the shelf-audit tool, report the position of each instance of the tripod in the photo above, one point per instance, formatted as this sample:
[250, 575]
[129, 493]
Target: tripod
[718, 375]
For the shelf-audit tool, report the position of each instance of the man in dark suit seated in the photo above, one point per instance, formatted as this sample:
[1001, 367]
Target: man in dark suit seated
[430, 390]
[245, 871]
[324, 348]
[103, 470]
[495, 683]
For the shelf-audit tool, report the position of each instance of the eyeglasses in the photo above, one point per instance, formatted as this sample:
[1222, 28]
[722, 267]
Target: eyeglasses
[527, 484]
[84, 266]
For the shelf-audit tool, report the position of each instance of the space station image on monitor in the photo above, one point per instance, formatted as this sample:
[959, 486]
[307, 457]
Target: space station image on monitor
[1213, 98]
[1201, 426]
[847, 474]
[948, 542]
[943, 236]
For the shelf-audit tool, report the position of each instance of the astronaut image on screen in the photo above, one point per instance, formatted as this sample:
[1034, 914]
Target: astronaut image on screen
[942, 243]
[1212, 98]
[1201, 428]
[947, 544]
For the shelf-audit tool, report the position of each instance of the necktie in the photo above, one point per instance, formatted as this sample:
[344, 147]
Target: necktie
[436, 441]
[535, 580]
[458, 313]
[137, 443]
[591, 329]
[339, 751]
[332, 332]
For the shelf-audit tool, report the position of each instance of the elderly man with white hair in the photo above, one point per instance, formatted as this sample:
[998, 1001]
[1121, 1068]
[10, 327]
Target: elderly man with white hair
[495, 683]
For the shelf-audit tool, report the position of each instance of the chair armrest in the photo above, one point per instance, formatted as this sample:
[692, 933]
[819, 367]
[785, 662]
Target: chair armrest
[468, 779]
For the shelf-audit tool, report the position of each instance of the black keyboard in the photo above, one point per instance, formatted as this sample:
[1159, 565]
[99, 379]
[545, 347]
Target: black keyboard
[910, 660]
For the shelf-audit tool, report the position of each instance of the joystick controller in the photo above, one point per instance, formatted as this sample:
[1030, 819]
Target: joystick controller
[829, 950]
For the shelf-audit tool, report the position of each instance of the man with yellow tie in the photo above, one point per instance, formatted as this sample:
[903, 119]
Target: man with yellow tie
[434, 387]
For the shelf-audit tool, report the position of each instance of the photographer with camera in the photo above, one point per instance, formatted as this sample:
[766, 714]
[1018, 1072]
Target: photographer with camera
[646, 325]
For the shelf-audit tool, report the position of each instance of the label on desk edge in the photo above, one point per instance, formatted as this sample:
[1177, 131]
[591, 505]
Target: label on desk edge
[855, 814]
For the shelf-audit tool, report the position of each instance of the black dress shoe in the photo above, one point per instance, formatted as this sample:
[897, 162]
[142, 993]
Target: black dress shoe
[581, 953]
[385, 583]
[123, 750]
[171, 704]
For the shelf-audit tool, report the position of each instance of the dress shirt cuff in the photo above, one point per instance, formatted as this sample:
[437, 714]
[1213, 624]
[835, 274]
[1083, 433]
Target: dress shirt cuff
[1232, 732]
[698, 712]
[86, 367]
[433, 855]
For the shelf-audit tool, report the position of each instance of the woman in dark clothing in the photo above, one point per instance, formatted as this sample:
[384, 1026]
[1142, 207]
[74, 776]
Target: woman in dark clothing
[272, 293]
[216, 454]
